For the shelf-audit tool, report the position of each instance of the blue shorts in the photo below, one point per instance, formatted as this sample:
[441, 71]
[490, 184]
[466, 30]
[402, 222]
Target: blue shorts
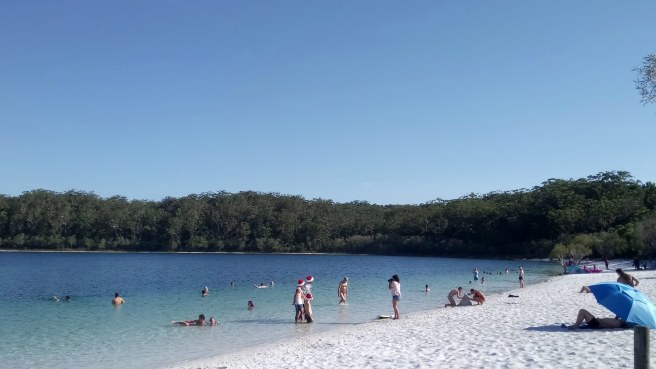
[299, 307]
[396, 298]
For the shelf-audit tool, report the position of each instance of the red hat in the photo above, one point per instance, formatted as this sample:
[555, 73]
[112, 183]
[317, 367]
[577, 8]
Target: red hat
[301, 282]
[310, 279]
[309, 296]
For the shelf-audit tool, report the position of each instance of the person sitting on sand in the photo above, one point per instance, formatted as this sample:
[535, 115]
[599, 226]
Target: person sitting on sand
[596, 323]
[199, 322]
[455, 292]
[213, 321]
[118, 300]
[477, 296]
[342, 290]
[626, 278]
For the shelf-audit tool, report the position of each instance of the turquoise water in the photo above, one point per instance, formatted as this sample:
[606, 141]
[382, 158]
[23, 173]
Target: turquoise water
[88, 332]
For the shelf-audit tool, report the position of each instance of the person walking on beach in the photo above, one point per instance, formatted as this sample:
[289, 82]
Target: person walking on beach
[298, 302]
[626, 278]
[454, 293]
[118, 300]
[342, 290]
[606, 262]
[395, 290]
[521, 277]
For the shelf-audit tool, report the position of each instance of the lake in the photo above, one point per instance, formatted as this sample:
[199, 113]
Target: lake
[88, 332]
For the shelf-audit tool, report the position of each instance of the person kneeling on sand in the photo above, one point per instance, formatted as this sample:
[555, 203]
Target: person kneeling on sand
[477, 296]
[596, 323]
[455, 292]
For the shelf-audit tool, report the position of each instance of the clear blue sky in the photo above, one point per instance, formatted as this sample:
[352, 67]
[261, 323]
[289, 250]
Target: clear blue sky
[383, 101]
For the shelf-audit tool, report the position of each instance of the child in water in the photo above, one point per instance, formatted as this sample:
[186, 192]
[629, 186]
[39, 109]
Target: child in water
[307, 305]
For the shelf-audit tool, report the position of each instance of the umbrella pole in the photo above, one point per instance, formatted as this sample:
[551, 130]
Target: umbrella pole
[640, 347]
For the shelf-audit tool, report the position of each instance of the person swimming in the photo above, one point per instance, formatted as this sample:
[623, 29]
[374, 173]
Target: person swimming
[199, 322]
[251, 305]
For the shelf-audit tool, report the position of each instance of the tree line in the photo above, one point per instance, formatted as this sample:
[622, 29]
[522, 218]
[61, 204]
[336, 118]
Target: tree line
[609, 214]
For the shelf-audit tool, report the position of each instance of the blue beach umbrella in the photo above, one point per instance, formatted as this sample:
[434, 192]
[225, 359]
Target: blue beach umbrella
[626, 302]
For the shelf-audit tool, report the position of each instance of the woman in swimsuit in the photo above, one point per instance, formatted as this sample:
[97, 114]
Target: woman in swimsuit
[342, 290]
[477, 296]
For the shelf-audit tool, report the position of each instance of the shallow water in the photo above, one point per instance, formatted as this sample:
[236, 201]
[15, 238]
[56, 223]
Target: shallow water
[89, 332]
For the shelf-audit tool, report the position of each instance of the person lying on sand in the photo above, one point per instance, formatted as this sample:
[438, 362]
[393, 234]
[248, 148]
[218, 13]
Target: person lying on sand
[596, 323]
[585, 289]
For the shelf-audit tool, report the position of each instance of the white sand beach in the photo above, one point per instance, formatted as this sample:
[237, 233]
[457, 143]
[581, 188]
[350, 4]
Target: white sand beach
[522, 332]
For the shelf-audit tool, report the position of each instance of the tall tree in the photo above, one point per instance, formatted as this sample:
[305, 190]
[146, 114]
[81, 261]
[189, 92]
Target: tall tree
[646, 82]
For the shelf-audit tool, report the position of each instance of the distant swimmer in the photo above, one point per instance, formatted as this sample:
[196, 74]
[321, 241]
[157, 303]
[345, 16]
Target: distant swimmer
[205, 292]
[67, 298]
[55, 298]
[213, 321]
[232, 284]
[118, 300]
[262, 285]
[426, 289]
[199, 322]
[251, 305]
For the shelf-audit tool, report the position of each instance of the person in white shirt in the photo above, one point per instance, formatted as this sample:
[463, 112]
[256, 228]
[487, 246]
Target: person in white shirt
[395, 290]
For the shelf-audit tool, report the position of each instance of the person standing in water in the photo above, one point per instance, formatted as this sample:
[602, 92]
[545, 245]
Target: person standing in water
[342, 290]
[395, 290]
[475, 271]
[118, 300]
[298, 302]
[307, 307]
[521, 277]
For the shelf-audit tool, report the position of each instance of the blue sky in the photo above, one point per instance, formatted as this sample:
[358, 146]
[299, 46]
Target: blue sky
[381, 101]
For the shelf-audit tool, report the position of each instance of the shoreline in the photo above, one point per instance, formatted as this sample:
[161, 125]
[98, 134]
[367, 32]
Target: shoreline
[502, 333]
[73, 251]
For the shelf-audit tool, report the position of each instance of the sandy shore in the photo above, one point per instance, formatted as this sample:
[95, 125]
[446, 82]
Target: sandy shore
[522, 332]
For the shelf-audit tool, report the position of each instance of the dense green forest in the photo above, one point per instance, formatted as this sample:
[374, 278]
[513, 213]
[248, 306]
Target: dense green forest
[609, 214]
